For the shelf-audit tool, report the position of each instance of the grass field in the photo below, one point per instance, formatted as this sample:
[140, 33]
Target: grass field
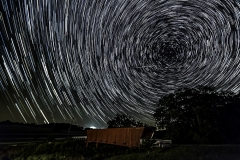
[194, 152]
[76, 150]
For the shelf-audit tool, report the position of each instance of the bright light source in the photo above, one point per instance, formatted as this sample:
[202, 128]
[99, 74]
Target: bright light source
[93, 127]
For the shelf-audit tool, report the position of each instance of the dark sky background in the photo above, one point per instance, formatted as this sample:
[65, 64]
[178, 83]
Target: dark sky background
[86, 60]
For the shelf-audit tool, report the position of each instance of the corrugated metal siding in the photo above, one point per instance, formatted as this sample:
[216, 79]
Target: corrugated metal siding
[129, 137]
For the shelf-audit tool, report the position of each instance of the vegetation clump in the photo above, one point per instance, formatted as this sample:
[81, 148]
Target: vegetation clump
[124, 120]
[199, 115]
[69, 148]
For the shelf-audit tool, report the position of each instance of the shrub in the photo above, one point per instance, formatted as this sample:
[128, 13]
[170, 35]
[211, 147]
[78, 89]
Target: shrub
[146, 144]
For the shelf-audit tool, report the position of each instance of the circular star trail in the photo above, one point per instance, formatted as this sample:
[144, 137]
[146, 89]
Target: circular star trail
[86, 60]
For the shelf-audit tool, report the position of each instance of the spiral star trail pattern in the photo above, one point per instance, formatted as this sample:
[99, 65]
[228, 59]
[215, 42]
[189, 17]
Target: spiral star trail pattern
[87, 60]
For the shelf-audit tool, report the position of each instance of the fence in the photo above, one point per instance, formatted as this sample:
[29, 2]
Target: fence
[80, 137]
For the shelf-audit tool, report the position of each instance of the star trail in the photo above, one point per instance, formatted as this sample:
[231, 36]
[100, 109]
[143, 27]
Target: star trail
[87, 60]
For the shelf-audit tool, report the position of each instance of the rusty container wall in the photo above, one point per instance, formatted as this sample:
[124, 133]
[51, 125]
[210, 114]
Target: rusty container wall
[134, 137]
[111, 137]
[100, 137]
[118, 136]
[125, 137]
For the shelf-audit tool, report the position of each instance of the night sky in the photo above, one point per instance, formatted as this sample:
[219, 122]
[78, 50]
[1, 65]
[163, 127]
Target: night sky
[87, 60]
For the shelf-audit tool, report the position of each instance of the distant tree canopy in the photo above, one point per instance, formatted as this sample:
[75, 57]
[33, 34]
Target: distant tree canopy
[57, 126]
[199, 115]
[124, 121]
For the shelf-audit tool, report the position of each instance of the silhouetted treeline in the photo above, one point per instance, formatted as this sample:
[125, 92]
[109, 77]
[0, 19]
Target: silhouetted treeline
[56, 126]
[200, 115]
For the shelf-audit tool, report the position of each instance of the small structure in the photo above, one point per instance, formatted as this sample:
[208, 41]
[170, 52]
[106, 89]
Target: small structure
[129, 137]
[162, 143]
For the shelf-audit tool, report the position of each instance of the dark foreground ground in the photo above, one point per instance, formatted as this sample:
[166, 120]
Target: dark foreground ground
[195, 152]
[76, 150]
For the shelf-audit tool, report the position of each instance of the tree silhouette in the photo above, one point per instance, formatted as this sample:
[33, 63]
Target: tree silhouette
[124, 121]
[199, 115]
